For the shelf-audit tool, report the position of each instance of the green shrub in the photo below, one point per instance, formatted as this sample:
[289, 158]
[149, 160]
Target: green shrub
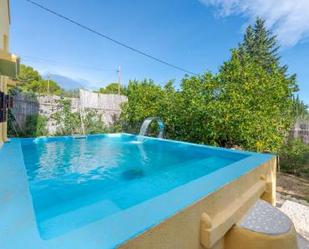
[243, 105]
[35, 126]
[294, 158]
[70, 122]
[93, 123]
[113, 88]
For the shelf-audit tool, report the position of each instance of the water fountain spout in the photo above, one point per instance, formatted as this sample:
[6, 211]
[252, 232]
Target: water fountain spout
[147, 122]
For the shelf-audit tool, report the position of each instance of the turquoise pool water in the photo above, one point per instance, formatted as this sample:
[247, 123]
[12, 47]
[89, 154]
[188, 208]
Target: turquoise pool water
[74, 182]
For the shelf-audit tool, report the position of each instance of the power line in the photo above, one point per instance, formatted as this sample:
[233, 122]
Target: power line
[109, 38]
[113, 72]
[50, 61]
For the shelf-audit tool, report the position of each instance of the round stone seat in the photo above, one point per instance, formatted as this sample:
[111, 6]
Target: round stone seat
[262, 227]
[264, 218]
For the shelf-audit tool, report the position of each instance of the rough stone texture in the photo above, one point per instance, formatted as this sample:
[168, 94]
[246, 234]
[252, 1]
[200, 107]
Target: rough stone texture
[108, 106]
[264, 218]
[299, 214]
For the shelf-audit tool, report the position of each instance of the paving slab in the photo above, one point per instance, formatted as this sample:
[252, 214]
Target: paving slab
[299, 214]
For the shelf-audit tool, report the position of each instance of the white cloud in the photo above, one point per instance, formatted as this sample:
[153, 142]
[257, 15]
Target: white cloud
[289, 19]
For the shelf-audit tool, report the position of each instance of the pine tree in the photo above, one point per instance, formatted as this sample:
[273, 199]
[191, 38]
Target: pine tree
[300, 109]
[248, 44]
[261, 46]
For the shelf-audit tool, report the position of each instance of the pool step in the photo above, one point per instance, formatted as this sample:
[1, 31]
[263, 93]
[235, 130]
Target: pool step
[60, 224]
[263, 226]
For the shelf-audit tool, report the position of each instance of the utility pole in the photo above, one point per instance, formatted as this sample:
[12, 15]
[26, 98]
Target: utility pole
[119, 79]
[48, 84]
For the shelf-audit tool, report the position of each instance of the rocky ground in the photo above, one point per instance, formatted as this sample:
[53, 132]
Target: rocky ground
[293, 188]
[292, 199]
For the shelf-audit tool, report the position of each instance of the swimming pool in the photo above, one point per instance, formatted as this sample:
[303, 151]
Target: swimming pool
[77, 181]
[76, 184]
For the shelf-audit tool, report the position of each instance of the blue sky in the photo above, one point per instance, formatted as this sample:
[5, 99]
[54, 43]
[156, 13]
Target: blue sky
[196, 35]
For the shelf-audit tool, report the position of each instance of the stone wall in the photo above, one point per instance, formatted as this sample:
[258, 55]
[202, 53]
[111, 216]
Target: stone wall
[107, 104]
[25, 105]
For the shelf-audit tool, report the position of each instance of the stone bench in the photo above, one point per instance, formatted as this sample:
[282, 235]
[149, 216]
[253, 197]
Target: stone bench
[263, 226]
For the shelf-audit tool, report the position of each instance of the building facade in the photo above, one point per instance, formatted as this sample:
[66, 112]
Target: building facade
[9, 67]
[301, 130]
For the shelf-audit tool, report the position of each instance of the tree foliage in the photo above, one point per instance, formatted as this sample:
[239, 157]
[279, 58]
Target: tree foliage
[300, 109]
[70, 122]
[35, 126]
[248, 103]
[256, 104]
[29, 80]
[242, 105]
[113, 88]
[294, 157]
[260, 45]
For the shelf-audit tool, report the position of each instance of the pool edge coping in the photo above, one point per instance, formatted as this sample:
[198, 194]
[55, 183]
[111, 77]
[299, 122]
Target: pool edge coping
[177, 194]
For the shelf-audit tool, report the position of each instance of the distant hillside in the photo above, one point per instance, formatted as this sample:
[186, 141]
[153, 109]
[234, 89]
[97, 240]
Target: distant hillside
[66, 82]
